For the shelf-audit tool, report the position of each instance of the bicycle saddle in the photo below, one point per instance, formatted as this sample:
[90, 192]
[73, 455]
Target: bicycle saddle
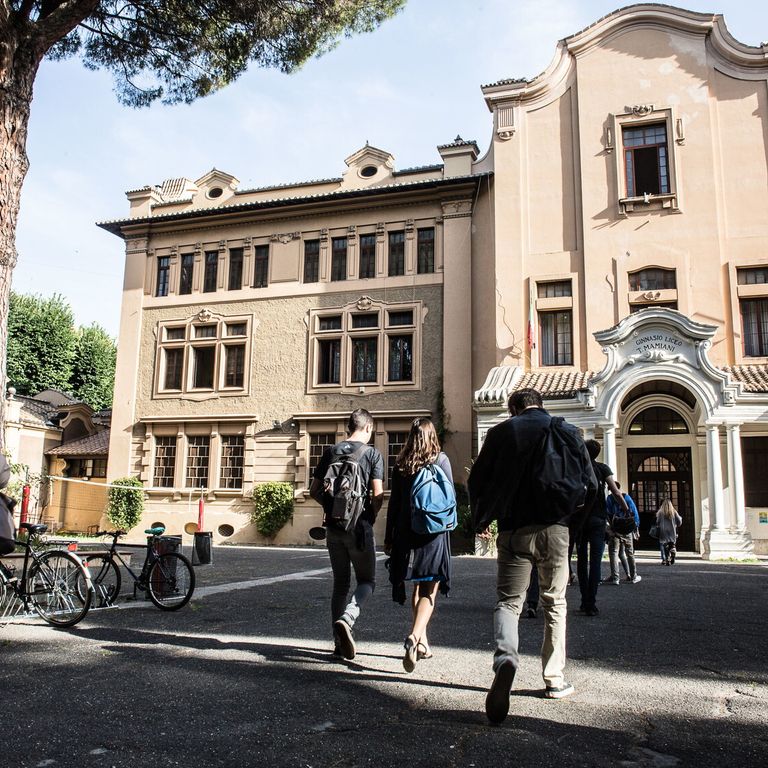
[34, 527]
[158, 531]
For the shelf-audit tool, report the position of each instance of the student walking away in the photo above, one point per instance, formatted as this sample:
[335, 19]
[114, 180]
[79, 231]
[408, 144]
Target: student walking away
[420, 515]
[667, 523]
[622, 531]
[348, 483]
[591, 543]
[534, 476]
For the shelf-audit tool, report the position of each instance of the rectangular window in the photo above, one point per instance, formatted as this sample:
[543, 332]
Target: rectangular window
[318, 442]
[211, 271]
[165, 462]
[235, 365]
[426, 250]
[174, 368]
[311, 261]
[204, 359]
[400, 358]
[369, 320]
[395, 443]
[261, 266]
[235, 269]
[236, 329]
[187, 271]
[329, 361]
[752, 276]
[646, 164]
[367, 256]
[339, 258]
[364, 360]
[665, 304]
[329, 323]
[396, 258]
[232, 460]
[198, 458]
[163, 273]
[401, 318]
[754, 451]
[174, 334]
[556, 338]
[205, 331]
[652, 280]
[553, 290]
[754, 321]
[99, 468]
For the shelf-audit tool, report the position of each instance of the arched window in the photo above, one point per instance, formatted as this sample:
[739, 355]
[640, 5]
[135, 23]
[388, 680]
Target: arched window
[658, 421]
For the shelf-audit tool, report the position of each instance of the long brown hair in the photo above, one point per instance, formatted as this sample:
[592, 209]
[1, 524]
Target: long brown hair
[667, 509]
[422, 447]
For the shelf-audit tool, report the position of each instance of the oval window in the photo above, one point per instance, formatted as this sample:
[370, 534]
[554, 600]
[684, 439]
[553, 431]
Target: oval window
[215, 192]
[368, 171]
[226, 530]
[190, 528]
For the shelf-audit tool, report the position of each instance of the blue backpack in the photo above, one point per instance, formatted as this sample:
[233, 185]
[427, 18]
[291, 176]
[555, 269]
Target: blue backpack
[433, 501]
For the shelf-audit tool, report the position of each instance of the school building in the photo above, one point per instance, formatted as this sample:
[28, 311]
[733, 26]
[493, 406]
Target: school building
[610, 248]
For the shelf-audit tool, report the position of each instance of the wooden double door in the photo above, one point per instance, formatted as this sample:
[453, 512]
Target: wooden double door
[656, 474]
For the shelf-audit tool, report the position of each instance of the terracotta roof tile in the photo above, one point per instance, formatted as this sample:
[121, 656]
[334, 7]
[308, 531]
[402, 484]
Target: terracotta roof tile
[555, 385]
[92, 445]
[754, 378]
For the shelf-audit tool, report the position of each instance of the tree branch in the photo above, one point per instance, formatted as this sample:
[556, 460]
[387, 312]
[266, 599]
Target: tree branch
[62, 20]
[26, 9]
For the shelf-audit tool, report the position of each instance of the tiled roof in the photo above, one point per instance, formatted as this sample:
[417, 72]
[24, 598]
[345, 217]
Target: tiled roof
[459, 142]
[754, 378]
[554, 385]
[92, 445]
[507, 81]
[36, 412]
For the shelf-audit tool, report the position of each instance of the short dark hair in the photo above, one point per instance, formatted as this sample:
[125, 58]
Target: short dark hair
[593, 448]
[524, 398]
[359, 419]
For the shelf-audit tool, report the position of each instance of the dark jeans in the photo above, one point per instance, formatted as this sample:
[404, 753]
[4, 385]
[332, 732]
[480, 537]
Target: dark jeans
[589, 554]
[346, 555]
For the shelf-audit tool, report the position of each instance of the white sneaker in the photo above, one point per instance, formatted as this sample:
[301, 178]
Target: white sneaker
[566, 689]
[637, 579]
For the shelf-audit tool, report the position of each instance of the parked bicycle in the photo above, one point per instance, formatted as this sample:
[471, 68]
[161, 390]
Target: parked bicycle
[54, 582]
[167, 577]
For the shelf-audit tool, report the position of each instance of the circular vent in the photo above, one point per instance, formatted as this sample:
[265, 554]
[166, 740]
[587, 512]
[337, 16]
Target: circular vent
[190, 528]
[215, 192]
[368, 171]
[226, 530]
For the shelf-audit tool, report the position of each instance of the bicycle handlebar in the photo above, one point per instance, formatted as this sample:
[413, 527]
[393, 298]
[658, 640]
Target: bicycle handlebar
[116, 534]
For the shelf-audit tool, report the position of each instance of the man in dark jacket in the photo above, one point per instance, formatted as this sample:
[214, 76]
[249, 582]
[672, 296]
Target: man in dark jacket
[502, 488]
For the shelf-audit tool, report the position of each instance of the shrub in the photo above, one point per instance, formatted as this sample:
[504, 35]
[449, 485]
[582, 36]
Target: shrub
[272, 507]
[125, 506]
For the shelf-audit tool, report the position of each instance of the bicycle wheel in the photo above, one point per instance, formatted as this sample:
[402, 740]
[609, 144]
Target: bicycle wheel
[171, 581]
[106, 579]
[56, 588]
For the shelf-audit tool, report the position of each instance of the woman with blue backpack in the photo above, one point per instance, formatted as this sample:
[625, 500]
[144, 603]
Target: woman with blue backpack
[420, 516]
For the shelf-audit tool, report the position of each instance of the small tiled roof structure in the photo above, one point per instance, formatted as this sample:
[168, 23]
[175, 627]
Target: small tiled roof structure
[753, 378]
[555, 385]
[36, 413]
[91, 445]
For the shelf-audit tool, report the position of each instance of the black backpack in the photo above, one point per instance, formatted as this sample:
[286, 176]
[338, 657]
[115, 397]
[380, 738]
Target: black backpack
[562, 478]
[345, 484]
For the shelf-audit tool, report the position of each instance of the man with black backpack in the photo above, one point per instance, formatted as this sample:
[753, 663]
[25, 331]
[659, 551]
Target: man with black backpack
[348, 482]
[534, 476]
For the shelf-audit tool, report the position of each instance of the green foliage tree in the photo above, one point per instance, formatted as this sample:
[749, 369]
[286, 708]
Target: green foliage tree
[93, 371]
[168, 50]
[41, 343]
[125, 505]
[272, 507]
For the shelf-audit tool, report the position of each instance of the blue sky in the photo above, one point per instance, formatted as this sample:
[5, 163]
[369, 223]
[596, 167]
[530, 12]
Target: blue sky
[411, 85]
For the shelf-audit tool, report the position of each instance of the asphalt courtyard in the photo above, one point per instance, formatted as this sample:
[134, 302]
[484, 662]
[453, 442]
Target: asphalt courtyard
[672, 673]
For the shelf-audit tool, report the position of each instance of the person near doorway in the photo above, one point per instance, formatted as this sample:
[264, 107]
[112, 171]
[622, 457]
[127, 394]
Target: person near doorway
[621, 547]
[429, 554]
[353, 549]
[668, 521]
[591, 543]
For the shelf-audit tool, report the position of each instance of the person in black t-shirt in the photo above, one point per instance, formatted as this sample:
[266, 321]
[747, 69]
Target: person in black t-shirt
[355, 549]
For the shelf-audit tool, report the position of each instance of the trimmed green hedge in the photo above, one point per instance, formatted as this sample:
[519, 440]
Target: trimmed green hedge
[125, 507]
[272, 507]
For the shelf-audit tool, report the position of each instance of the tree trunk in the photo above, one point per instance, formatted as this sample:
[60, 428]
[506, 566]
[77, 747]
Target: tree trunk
[19, 62]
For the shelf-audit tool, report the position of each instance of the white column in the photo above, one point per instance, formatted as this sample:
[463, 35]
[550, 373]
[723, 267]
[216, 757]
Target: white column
[609, 446]
[736, 477]
[715, 479]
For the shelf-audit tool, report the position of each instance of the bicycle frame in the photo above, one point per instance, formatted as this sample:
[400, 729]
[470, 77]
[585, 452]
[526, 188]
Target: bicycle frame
[139, 580]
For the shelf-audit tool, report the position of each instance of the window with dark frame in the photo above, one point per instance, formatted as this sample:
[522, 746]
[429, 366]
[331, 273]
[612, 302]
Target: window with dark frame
[367, 267]
[364, 360]
[165, 461]
[646, 160]
[653, 279]
[396, 254]
[203, 367]
[338, 258]
[187, 273]
[754, 452]
[754, 323]
[658, 420]
[752, 276]
[425, 250]
[174, 368]
[400, 367]
[163, 275]
[556, 337]
[261, 266]
[198, 460]
[235, 269]
[211, 273]
[329, 361]
[318, 443]
[395, 443]
[232, 462]
[554, 289]
[311, 261]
